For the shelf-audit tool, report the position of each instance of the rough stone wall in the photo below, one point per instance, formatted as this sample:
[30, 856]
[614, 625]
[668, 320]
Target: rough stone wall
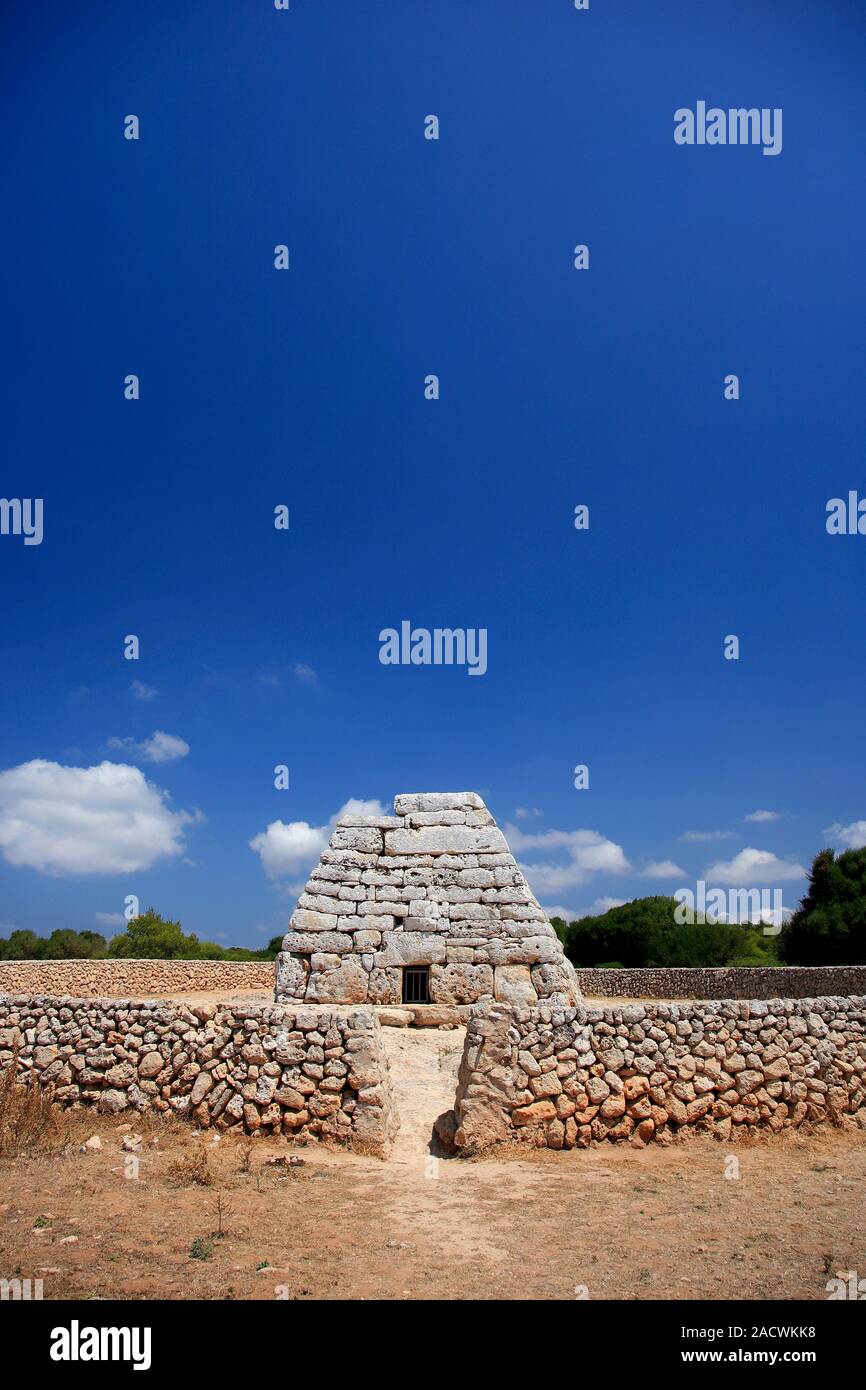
[268, 1068]
[435, 884]
[122, 978]
[568, 1078]
[732, 982]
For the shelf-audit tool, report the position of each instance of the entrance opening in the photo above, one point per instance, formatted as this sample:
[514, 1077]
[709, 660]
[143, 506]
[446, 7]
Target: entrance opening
[416, 984]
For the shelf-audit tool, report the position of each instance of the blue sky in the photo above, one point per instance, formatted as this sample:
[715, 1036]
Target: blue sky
[306, 388]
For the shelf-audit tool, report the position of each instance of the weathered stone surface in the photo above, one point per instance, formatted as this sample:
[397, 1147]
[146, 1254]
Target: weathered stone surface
[410, 948]
[512, 984]
[292, 972]
[303, 920]
[394, 1018]
[345, 985]
[332, 942]
[441, 839]
[438, 1015]
[151, 1064]
[366, 840]
[568, 1075]
[460, 984]
[408, 802]
[433, 885]
[264, 1067]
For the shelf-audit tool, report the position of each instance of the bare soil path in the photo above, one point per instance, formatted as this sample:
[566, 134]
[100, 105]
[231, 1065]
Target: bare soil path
[424, 1064]
[658, 1223]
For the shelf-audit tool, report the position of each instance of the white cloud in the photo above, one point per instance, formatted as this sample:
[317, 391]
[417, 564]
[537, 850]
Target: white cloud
[589, 853]
[693, 836]
[753, 866]
[288, 847]
[572, 914]
[305, 673]
[110, 919]
[760, 816]
[527, 812]
[106, 819]
[159, 748]
[663, 868]
[852, 836]
[140, 691]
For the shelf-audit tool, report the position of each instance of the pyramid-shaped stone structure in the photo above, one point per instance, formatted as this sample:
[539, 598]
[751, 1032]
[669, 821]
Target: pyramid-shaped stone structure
[436, 886]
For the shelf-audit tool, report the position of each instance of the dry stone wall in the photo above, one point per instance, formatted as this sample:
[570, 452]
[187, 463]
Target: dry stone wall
[122, 978]
[265, 1068]
[433, 885]
[731, 982]
[568, 1078]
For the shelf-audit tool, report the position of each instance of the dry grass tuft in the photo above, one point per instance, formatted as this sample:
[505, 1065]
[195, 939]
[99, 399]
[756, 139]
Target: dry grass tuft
[28, 1119]
[193, 1170]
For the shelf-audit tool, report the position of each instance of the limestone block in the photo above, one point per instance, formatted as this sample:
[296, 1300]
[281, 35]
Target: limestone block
[384, 986]
[426, 908]
[349, 858]
[460, 984]
[316, 902]
[346, 985]
[440, 1015]
[370, 908]
[410, 948]
[410, 802]
[512, 984]
[554, 977]
[445, 839]
[361, 840]
[322, 960]
[367, 923]
[334, 942]
[476, 878]
[301, 920]
[530, 950]
[457, 893]
[394, 1018]
[368, 822]
[481, 912]
[426, 924]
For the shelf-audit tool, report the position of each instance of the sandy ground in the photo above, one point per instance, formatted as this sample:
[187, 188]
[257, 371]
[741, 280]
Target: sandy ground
[658, 1223]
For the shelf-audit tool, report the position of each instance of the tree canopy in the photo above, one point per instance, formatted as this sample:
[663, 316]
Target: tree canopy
[645, 933]
[829, 927]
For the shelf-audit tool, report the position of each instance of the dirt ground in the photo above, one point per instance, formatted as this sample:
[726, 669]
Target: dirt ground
[650, 1224]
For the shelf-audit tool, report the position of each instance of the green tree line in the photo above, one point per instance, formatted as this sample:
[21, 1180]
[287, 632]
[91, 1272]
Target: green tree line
[147, 937]
[828, 928]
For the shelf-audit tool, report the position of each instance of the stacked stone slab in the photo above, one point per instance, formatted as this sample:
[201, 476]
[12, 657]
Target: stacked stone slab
[296, 1071]
[569, 1078]
[435, 884]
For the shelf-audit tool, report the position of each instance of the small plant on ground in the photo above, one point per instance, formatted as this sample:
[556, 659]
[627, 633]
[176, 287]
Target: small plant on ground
[223, 1211]
[201, 1249]
[193, 1169]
